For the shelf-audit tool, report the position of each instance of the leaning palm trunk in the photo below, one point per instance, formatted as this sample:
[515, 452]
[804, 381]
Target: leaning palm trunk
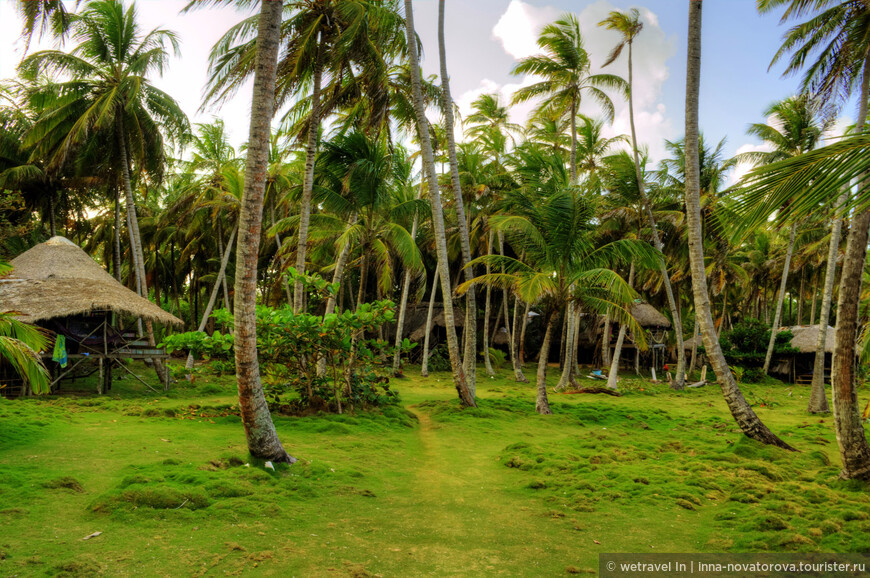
[567, 365]
[260, 432]
[465, 395]
[818, 399]
[487, 361]
[680, 378]
[403, 303]
[470, 335]
[308, 179]
[136, 245]
[225, 258]
[542, 404]
[740, 409]
[617, 351]
[521, 357]
[605, 341]
[424, 368]
[777, 315]
[696, 331]
[854, 450]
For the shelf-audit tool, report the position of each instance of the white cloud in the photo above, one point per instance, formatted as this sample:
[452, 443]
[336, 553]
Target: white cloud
[519, 27]
[741, 169]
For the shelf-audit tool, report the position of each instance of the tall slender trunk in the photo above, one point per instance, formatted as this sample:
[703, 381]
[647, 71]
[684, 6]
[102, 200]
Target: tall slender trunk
[487, 312]
[800, 307]
[280, 246]
[52, 228]
[403, 302]
[777, 315]
[696, 332]
[605, 341]
[470, 333]
[680, 376]
[542, 404]
[740, 409]
[465, 395]
[136, 239]
[722, 316]
[424, 368]
[260, 432]
[617, 351]
[518, 372]
[854, 450]
[116, 234]
[337, 276]
[522, 349]
[818, 398]
[225, 258]
[816, 290]
[573, 139]
[308, 178]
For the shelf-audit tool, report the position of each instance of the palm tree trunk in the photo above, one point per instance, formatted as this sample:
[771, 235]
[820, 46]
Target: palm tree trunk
[522, 349]
[308, 179]
[818, 398]
[816, 286]
[280, 245]
[470, 334]
[424, 368]
[696, 332]
[567, 366]
[740, 409]
[777, 315]
[116, 234]
[573, 139]
[680, 376]
[465, 395]
[225, 258]
[518, 372]
[542, 404]
[403, 302]
[136, 241]
[260, 432]
[617, 351]
[605, 341]
[800, 308]
[722, 316]
[854, 450]
[486, 313]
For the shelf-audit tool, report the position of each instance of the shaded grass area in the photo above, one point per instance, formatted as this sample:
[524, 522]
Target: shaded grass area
[424, 488]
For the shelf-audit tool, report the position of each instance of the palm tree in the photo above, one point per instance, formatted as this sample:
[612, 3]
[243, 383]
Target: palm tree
[43, 16]
[629, 25]
[465, 395]
[565, 67]
[563, 264]
[109, 93]
[262, 438]
[746, 418]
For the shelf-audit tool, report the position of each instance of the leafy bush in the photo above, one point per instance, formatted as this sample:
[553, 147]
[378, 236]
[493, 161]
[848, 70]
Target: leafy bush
[310, 362]
[746, 344]
[439, 358]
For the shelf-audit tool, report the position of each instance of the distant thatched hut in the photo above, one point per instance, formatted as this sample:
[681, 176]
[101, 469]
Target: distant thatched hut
[655, 326]
[415, 322]
[798, 367]
[59, 287]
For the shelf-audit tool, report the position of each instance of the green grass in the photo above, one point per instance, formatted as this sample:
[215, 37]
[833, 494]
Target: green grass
[422, 488]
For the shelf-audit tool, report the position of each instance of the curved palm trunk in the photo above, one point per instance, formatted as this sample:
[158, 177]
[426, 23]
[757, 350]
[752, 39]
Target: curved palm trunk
[465, 395]
[260, 432]
[743, 414]
[136, 243]
[696, 331]
[470, 333]
[225, 258]
[521, 357]
[818, 398]
[680, 377]
[854, 450]
[308, 179]
[486, 313]
[613, 374]
[605, 342]
[424, 368]
[777, 315]
[542, 404]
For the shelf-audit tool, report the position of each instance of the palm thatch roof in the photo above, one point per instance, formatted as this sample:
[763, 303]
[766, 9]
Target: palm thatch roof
[415, 319]
[805, 337]
[648, 316]
[58, 279]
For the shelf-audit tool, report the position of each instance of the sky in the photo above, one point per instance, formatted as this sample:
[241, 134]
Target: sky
[486, 38]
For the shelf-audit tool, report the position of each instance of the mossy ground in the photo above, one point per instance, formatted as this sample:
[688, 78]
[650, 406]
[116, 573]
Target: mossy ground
[424, 488]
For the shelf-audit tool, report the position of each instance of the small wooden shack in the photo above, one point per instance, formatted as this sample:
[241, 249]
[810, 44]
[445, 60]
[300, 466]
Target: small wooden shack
[798, 367]
[59, 287]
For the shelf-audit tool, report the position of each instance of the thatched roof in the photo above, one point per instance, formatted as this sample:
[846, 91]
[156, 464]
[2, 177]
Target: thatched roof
[58, 279]
[805, 337]
[648, 316]
[415, 319]
[689, 343]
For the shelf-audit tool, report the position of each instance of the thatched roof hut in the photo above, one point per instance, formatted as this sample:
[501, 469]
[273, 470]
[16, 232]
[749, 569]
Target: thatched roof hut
[415, 319]
[58, 279]
[805, 337]
[648, 316]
